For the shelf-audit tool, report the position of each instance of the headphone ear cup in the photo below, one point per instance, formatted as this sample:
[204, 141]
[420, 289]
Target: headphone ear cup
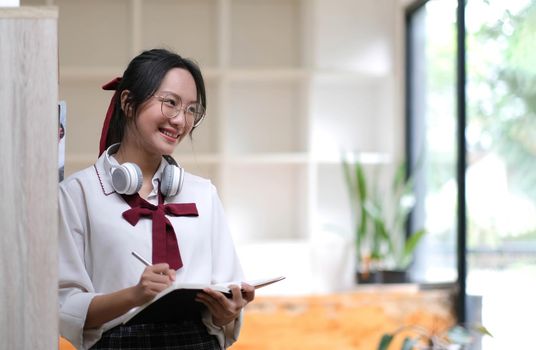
[127, 178]
[172, 179]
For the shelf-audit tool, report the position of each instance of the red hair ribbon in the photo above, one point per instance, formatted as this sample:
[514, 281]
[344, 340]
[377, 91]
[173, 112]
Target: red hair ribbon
[112, 85]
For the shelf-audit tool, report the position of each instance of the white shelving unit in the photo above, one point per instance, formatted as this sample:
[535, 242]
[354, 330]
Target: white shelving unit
[291, 84]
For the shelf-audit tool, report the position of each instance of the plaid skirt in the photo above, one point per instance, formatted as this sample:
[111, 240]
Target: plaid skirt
[184, 335]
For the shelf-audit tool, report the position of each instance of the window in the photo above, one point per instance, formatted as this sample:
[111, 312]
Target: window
[432, 137]
[501, 166]
[499, 125]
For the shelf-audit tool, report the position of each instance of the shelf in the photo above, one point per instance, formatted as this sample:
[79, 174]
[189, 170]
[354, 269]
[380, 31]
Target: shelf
[251, 159]
[363, 157]
[291, 85]
[90, 74]
[196, 159]
[267, 158]
[258, 158]
[304, 158]
[245, 159]
[267, 74]
[105, 73]
[236, 74]
[352, 76]
[102, 73]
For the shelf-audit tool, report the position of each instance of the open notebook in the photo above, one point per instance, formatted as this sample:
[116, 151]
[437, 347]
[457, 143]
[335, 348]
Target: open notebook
[177, 302]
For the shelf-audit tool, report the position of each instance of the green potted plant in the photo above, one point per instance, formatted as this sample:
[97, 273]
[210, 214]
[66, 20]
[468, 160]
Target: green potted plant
[384, 251]
[457, 337]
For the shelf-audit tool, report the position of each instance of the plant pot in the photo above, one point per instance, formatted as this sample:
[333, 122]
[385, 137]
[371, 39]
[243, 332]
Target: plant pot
[367, 277]
[393, 276]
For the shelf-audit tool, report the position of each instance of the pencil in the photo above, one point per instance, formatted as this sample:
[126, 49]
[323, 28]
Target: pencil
[140, 258]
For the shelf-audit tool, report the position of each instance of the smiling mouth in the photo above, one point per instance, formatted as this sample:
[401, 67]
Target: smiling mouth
[169, 134]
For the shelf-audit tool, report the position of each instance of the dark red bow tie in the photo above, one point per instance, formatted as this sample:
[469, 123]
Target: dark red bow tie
[165, 246]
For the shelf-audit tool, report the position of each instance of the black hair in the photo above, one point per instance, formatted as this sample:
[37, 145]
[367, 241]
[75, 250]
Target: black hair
[142, 78]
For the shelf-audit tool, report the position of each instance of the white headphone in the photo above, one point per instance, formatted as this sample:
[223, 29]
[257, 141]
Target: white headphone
[127, 177]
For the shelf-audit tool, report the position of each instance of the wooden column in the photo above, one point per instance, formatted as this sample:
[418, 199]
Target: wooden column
[28, 178]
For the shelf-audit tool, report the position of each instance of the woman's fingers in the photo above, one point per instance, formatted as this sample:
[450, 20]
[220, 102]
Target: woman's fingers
[222, 308]
[210, 302]
[248, 292]
[163, 270]
[237, 293]
[172, 274]
[154, 279]
[212, 298]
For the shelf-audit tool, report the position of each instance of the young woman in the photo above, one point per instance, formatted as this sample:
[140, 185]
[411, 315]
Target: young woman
[136, 199]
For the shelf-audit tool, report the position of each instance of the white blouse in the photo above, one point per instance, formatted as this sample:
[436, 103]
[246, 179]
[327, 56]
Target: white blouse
[95, 245]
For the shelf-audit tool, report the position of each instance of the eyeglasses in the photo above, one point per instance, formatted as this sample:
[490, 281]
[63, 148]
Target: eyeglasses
[172, 106]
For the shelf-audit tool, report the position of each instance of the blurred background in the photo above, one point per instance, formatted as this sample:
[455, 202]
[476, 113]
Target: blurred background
[296, 86]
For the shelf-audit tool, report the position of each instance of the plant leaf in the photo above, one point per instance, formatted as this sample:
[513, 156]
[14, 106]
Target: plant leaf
[482, 330]
[381, 234]
[409, 247]
[361, 189]
[399, 178]
[385, 341]
[361, 181]
[459, 335]
[352, 190]
[408, 343]
[355, 205]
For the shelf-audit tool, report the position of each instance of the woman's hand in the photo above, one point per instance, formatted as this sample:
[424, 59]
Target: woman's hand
[223, 309]
[106, 307]
[154, 279]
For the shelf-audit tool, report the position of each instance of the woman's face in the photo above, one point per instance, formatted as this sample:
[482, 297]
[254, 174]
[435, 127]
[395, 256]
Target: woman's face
[155, 133]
